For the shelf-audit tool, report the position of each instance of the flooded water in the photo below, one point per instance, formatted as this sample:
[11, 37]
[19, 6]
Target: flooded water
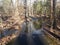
[33, 37]
[7, 32]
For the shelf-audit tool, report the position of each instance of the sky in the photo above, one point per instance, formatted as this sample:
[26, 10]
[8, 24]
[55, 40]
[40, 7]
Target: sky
[30, 2]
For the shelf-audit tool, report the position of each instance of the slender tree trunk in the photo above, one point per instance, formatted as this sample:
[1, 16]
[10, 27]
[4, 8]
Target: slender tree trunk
[53, 19]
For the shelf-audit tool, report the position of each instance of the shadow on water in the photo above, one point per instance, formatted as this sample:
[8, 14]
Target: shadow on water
[21, 40]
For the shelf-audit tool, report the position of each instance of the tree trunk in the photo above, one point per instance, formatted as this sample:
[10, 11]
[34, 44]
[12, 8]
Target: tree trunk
[53, 19]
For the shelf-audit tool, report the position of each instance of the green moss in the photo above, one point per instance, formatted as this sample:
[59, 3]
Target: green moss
[37, 24]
